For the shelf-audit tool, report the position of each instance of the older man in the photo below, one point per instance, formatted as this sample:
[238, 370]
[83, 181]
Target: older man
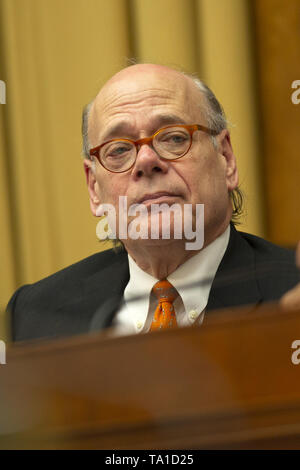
[154, 135]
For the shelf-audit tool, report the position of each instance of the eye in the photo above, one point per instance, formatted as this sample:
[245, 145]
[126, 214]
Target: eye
[178, 138]
[117, 149]
[174, 137]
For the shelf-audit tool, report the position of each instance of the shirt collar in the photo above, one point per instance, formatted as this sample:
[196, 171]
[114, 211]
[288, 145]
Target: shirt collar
[193, 279]
[198, 272]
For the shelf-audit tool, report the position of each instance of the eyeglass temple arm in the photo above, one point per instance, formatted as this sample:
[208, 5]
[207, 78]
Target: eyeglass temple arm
[207, 130]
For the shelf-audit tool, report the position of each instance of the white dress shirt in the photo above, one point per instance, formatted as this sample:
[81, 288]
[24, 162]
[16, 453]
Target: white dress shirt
[139, 303]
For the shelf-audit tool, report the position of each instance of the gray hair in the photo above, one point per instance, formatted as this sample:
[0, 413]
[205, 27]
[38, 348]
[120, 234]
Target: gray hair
[84, 130]
[213, 110]
[217, 121]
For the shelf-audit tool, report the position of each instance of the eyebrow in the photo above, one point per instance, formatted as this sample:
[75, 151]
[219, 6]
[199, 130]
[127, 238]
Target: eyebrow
[126, 129]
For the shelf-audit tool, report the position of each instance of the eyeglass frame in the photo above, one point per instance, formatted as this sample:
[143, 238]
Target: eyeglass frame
[191, 128]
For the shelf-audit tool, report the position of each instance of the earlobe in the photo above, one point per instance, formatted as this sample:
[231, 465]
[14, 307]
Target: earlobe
[231, 167]
[232, 175]
[92, 185]
[89, 167]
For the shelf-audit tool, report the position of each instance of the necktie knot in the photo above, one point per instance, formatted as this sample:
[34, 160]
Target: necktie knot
[164, 316]
[164, 291]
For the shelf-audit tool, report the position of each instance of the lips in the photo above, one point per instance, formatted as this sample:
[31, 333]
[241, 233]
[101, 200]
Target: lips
[154, 196]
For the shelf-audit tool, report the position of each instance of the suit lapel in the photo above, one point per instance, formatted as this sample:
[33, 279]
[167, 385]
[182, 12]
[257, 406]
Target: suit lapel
[105, 289]
[235, 282]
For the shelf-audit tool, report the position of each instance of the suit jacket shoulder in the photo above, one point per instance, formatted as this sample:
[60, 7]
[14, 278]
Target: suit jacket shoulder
[252, 271]
[63, 303]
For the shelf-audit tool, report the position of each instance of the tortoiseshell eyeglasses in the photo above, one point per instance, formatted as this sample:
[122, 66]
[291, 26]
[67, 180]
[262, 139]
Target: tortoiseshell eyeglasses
[170, 143]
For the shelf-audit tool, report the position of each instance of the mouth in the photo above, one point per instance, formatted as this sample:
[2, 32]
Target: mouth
[156, 197]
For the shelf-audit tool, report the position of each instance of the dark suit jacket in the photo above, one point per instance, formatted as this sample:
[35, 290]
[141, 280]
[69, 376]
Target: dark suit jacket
[85, 296]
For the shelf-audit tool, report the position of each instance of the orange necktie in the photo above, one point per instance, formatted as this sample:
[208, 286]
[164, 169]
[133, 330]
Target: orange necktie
[164, 315]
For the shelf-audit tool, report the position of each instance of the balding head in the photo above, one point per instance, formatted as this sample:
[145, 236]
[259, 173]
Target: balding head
[148, 83]
[139, 72]
[191, 88]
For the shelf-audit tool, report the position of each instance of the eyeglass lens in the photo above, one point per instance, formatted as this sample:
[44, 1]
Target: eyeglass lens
[169, 143]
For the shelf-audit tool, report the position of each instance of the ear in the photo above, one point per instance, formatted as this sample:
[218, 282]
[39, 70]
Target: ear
[92, 184]
[225, 149]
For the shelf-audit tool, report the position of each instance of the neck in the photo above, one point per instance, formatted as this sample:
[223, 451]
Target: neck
[159, 260]
[163, 257]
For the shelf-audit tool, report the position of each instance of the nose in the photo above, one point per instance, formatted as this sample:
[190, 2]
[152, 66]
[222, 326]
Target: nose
[148, 162]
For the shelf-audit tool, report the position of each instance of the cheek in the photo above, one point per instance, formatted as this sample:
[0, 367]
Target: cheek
[207, 181]
[110, 187]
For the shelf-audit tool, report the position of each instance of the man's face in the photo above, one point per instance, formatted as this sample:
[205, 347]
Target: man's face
[134, 104]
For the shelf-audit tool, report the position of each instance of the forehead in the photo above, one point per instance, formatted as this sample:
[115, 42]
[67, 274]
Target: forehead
[143, 101]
